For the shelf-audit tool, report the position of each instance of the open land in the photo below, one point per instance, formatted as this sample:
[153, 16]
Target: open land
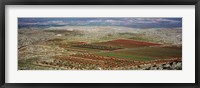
[99, 48]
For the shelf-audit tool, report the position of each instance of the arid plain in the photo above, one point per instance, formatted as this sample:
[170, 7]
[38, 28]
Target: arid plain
[99, 48]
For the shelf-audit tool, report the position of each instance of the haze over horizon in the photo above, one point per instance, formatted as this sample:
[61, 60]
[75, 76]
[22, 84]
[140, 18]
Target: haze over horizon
[132, 22]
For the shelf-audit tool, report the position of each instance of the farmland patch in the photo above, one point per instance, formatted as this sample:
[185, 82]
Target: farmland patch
[145, 53]
[128, 43]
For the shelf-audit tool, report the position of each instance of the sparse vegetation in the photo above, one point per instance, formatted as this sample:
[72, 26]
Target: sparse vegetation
[99, 48]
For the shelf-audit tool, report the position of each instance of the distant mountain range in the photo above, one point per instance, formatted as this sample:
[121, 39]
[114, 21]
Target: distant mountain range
[101, 21]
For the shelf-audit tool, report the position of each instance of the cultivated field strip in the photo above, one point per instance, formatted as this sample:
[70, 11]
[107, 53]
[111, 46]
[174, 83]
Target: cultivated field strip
[95, 62]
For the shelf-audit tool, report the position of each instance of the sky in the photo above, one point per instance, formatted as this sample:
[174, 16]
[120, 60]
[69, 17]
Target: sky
[102, 21]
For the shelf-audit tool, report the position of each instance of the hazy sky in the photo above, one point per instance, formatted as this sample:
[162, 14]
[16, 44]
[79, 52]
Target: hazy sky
[122, 21]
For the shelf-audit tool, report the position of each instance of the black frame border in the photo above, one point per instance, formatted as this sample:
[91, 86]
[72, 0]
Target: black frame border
[99, 2]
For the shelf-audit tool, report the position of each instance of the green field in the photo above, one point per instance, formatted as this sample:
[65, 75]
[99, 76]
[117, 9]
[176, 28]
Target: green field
[144, 53]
